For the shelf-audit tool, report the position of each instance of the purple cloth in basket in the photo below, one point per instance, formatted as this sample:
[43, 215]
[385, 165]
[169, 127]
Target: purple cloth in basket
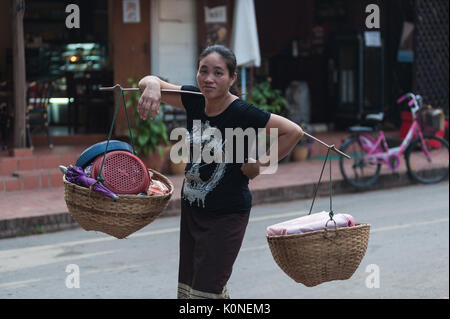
[76, 175]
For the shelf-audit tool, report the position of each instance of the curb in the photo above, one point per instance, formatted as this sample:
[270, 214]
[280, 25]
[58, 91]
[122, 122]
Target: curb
[63, 221]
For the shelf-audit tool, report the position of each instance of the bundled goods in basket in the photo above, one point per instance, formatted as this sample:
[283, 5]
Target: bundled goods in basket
[316, 248]
[310, 223]
[156, 188]
[135, 195]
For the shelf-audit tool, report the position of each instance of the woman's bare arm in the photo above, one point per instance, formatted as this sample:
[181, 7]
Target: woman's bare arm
[152, 96]
[289, 134]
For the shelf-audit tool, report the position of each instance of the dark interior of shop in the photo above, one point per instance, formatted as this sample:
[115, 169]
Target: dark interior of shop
[70, 63]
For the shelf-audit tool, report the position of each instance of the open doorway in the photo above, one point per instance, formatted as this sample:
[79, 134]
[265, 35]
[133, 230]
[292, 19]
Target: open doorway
[71, 62]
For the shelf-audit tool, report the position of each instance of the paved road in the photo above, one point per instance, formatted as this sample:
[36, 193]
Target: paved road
[408, 248]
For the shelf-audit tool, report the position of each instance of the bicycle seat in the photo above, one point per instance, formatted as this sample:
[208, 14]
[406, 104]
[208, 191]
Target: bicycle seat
[360, 129]
[375, 117]
[370, 123]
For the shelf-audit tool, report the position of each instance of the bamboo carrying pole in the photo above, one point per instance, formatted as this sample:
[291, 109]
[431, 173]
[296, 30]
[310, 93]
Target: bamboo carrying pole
[328, 146]
[117, 86]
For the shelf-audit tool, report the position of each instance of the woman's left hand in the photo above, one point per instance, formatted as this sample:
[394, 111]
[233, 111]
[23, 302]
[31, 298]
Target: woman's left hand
[251, 170]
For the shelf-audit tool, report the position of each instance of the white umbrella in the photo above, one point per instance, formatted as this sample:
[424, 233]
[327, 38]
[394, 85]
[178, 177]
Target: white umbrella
[244, 39]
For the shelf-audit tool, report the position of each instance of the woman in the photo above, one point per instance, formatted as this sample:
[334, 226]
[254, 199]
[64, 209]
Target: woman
[216, 200]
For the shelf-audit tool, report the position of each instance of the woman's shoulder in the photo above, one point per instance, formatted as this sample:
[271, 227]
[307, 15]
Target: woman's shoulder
[191, 100]
[243, 105]
[191, 88]
[253, 115]
[248, 108]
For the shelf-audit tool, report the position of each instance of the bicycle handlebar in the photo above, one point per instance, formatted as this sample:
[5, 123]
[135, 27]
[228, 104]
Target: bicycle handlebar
[414, 101]
[401, 99]
[404, 97]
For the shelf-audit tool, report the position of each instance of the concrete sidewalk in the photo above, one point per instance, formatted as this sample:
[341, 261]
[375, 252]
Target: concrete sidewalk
[44, 210]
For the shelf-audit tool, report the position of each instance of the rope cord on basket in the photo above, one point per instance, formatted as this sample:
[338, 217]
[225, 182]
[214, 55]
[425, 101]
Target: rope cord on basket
[121, 95]
[331, 184]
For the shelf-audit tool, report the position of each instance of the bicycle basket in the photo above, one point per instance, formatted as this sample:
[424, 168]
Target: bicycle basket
[430, 120]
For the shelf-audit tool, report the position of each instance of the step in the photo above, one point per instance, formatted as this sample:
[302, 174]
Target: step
[8, 165]
[31, 179]
[9, 184]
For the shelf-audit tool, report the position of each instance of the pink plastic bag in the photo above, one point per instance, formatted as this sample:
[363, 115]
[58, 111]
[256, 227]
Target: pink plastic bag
[310, 223]
[157, 188]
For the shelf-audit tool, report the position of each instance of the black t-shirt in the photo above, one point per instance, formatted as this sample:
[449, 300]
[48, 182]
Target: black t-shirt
[218, 186]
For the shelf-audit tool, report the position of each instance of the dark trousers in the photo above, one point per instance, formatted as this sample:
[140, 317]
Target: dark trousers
[209, 245]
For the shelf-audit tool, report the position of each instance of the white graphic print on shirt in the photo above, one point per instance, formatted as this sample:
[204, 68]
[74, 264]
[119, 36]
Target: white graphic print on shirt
[195, 188]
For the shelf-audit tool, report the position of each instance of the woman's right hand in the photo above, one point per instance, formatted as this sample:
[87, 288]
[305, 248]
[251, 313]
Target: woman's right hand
[150, 99]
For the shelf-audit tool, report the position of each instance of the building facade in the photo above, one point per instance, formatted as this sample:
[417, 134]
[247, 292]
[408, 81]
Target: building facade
[349, 67]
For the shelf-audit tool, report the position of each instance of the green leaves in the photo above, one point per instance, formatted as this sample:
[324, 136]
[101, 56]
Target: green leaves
[142, 139]
[149, 134]
[268, 99]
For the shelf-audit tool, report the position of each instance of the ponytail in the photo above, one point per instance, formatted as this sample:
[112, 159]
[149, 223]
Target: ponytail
[235, 91]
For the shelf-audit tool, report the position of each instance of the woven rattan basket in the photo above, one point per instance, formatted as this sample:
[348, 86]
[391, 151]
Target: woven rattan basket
[320, 256]
[118, 218]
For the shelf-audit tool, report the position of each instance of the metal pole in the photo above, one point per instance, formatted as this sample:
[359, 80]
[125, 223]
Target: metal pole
[243, 83]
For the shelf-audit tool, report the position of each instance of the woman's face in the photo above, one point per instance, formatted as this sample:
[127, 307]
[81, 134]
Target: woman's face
[213, 77]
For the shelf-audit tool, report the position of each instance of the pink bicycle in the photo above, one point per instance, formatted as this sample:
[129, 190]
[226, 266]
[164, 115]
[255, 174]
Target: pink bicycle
[426, 155]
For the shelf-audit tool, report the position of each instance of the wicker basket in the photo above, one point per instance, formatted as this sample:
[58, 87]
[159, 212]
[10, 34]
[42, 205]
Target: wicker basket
[321, 256]
[118, 218]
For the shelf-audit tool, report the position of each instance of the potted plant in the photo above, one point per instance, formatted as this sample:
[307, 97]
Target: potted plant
[150, 136]
[268, 99]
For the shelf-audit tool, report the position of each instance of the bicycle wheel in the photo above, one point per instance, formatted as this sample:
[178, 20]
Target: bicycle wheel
[357, 171]
[432, 169]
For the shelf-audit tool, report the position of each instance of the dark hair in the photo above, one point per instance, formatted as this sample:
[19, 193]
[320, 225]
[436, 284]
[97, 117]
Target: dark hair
[229, 58]
[226, 54]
